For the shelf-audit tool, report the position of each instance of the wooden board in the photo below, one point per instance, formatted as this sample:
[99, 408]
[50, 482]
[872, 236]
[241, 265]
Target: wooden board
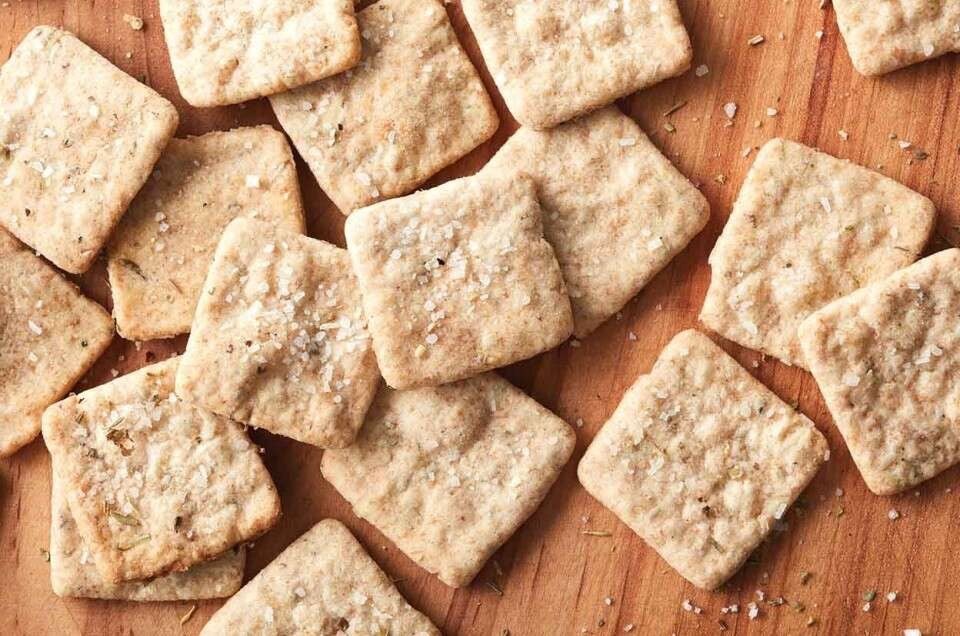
[555, 579]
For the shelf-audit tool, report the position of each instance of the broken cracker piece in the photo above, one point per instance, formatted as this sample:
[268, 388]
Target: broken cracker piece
[155, 485]
[553, 61]
[615, 210]
[701, 460]
[458, 280]
[163, 246]
[78, 138]
[230, 51]
[323, 583]
[412, 106]
[887, 359]
[449, 473]
[279, 340]
[806, 229]
[50, 335]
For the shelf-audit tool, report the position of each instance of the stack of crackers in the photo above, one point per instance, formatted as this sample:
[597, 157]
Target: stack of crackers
[382, 354]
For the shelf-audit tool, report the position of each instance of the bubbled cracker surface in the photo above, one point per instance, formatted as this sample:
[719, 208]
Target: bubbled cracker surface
[413, 105]
[78, 137]
[50, 335]
[806, 229]
[323, 583]
[553, 60]
[280, 340]
[155, 485]
[615, 210]
[884, 35]
[164, 244]
[73, 574]
[230, 51]
[449, 473]
[458, 280]
[887, 359]
[700, 460]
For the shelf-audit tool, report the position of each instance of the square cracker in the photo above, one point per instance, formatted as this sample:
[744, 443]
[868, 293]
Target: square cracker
[229, 51]
[155, 485]
[806, 229]
[159, 255]
[323, 583]
[50, 335]
[884, 35]
[413, 106]
[449, 473]
[700, 459]
[553, 61]
[279, 340]
[887, 359]
[615, 210]
[78, 137]
[73, 574]
[458, 280]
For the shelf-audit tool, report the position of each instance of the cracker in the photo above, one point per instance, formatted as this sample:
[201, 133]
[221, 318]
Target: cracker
[231, 51]
[50, 335]
[162, 248]
[700, 460]
[78, 137]
[458, 280]
[553, 61]
[615, 210]
[73, 574]
[280, 340]
[155, 485]
[887, 359]
[449, 473]
[806, 229]
[323, 583]
[413, 106]
[884, 35]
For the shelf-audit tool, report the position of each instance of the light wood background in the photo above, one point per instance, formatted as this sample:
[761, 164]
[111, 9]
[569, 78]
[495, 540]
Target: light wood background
[554, 578]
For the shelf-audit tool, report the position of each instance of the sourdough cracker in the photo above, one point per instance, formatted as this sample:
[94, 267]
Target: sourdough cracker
[449, 473]
[50, 335]
[553, 61]
[280, 340]
[78, 137]
[73, 574]
[615, 210]
[806, 229]
[412, 106]
[323, 583]
[458, 280]
[162, 248]
[885, 35]
[155, 485]
[887, 359]
[231, 51]
[700, 460]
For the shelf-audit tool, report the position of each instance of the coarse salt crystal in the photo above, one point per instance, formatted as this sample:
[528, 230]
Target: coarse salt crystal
[252, 181]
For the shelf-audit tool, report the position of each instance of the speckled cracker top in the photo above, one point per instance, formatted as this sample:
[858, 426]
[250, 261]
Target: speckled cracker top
[555, 60]
[78, 137]
[887, 359]
[413, 105]
[325, 584]
[155, 485]
[279, 340]
[458, 280]
[884, 35]
[449, 473]
[229, 51]
[806, 229]
[700, 460]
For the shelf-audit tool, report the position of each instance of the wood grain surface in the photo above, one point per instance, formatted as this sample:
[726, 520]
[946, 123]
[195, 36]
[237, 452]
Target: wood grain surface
[553, 578]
